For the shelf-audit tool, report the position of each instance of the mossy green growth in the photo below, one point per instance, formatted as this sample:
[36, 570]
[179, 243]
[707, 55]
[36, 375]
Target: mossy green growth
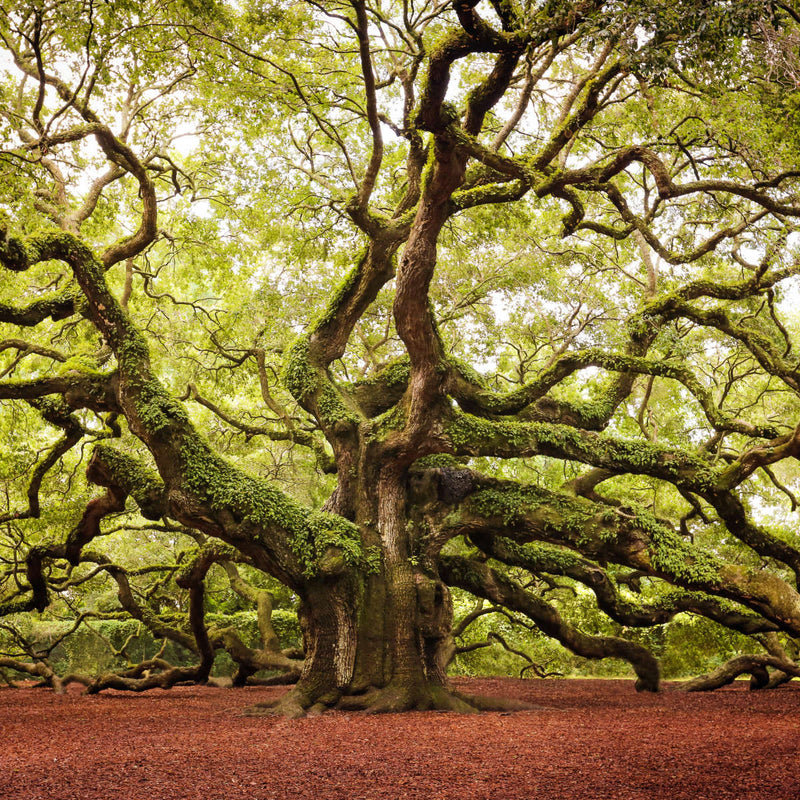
[383, 425]
[475, 435]
[396, 373]
[134, 477]
[302, 380]
[510, 504]
[672, 555]
[158, 411]
[669, 553]
[332, 408]
[18, 253]
[643, 324]
[14, 254]
[441, 460]
[84, 364]
[340, 294]
[479, 436]
[133, 351]
[310, 533]
[595, 413]
[53, 408]
[209, 552]
[490, 193]
[542, 557]
[467, 372]
[321, 532]
[298, 376]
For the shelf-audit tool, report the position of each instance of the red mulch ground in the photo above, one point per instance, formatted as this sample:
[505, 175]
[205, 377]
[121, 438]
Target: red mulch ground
[594, 740]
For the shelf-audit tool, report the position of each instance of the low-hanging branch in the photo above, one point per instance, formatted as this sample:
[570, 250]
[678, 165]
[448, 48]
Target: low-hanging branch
[482, 581]
[542, 557]
[612, 534]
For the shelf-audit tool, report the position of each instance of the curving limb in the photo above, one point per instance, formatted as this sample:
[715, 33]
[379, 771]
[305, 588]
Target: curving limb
[482, 581]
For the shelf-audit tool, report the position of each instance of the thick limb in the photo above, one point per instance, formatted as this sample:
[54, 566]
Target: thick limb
[483, 581]
[754, 665]
[608, 533]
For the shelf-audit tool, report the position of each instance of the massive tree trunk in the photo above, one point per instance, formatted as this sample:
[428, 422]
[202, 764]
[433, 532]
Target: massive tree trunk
[380, 639]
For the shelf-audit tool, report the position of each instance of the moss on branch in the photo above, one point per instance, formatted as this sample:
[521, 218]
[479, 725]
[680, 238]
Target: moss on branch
[635, 538]
[473, 396]
[108, 465]
[476, 436]
[385, 388]
[541, 557]
[313, 389]
[310, 534]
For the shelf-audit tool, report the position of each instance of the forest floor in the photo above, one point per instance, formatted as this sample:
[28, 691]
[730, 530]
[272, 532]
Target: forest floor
[588, 740]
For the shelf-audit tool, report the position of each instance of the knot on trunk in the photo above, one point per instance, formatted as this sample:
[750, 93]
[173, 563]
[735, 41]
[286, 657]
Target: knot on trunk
[454, 484]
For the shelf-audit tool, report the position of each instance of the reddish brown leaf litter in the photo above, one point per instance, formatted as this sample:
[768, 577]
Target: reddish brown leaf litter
[592, 739]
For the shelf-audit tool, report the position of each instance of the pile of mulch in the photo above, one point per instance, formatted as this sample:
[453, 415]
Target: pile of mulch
[590, 740]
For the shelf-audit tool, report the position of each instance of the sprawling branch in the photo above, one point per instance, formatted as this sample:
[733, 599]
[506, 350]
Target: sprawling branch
[483, 581]
[117, 152]
[617, 535]
[755, 665]
[540, 557]
[477, 400]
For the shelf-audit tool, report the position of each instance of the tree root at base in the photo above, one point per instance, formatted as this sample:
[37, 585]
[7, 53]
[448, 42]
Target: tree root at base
[387, 700]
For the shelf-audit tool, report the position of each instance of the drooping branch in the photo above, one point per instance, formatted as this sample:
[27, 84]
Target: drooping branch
[483, 581]
[614, 534]
[269, 655]
[541, 557]
[755, 665]
[204, 491]
[36, 669]
[732, 511]
[26, 348]
[79, 389]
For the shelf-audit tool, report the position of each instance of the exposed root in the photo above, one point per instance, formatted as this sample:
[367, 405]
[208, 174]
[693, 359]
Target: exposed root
[359, 701]
[404, 698]
[483, 702]
[394, 699]
[286, 679]
[292, 705]
[391, 699]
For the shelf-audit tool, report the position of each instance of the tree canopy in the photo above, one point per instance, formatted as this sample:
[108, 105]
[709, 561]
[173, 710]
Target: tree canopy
[361, 304]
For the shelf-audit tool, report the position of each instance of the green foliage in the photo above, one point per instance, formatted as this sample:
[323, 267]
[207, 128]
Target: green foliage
[97, 646]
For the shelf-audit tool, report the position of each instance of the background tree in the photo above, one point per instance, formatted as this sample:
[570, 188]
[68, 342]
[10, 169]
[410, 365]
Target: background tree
[382, 299]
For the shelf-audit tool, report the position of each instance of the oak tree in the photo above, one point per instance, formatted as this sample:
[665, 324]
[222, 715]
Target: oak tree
[386, 298]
